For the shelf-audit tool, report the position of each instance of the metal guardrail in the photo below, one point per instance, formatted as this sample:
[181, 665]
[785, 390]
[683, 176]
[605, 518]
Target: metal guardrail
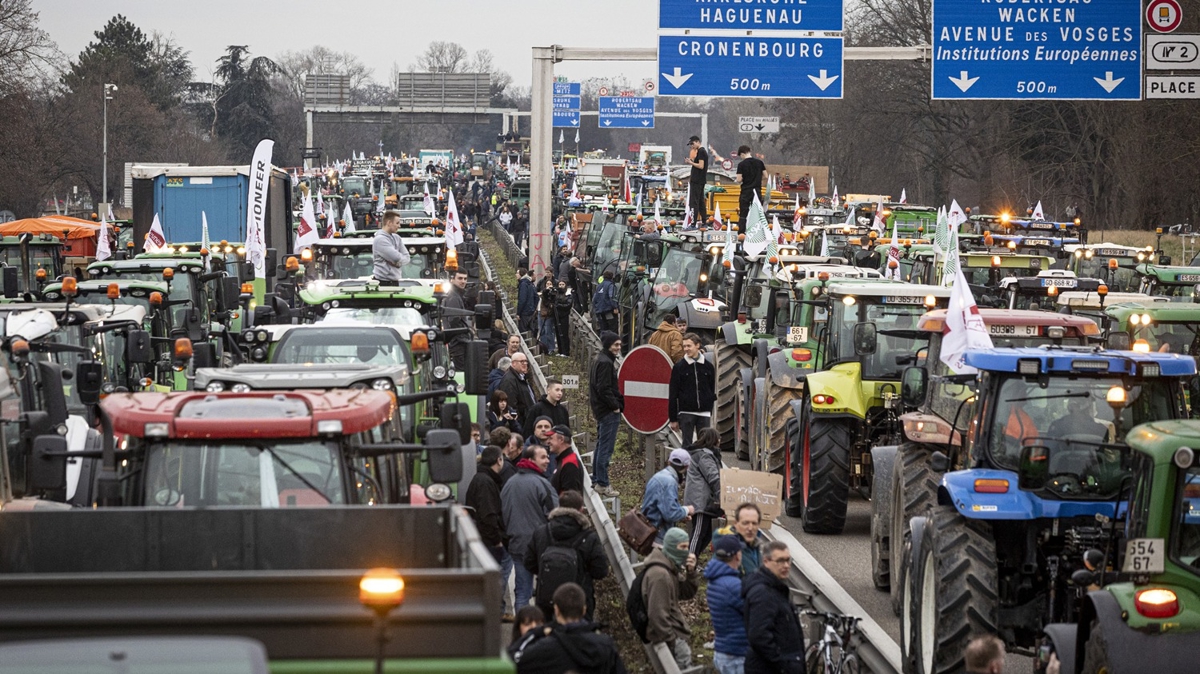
[618, 558]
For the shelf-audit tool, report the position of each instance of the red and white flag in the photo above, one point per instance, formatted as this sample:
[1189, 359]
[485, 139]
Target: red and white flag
[1037, 212]
[893, 263]
[964, 326]
[306, 232]
[103, 247]
[903, 196]
[454, 230]
[155, 238]
[878, 225]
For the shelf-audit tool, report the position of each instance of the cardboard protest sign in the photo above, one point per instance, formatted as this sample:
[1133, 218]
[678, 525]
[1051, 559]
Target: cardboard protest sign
[748, 486]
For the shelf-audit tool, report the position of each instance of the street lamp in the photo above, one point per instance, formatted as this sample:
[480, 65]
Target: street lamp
[108, 89]
[382, 591]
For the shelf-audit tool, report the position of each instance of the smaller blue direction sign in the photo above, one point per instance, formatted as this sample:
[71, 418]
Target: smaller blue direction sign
[627, 112]
[566, 118]
[566, 107]
[767, 67]
[819, 15]
[566, 88]
[1006, 50]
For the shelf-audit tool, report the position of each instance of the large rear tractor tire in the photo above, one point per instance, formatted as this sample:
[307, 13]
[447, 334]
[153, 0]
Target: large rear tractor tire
[741, 443]
[778, 404]
[954, 596]
[914, 492]
[728, 360]
[825, 471]
[757, 434]
[1095, 652]
[793, 479]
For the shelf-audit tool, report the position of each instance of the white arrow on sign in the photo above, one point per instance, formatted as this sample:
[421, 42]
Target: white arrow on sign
[575, 122]
[678, 78]
[824, 80]
[1108, 82]
[608, 122]
[645, 122]
[963, 82]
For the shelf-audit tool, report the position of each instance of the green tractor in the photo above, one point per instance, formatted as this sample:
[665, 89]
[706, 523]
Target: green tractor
[1146, 618]
[1112, 263]
[1177, 283]
[851, 403]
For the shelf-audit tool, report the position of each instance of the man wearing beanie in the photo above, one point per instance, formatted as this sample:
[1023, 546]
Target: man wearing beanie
[660, 502]
[670, 577]
[725, 605]
[607, 403]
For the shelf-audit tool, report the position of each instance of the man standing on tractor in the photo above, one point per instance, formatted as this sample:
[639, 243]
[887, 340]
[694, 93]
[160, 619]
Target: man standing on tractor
[698, 160]
[749, 175]
[388, 250]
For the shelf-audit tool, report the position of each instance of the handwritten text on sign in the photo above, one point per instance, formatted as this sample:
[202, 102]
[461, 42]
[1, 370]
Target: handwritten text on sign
[747, 486]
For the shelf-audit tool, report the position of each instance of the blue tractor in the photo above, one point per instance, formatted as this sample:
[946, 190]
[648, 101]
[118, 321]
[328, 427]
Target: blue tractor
[994, 551]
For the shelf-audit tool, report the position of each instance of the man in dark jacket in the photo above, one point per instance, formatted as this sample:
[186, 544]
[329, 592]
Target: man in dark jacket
[693, 390]
[772, 626]
[572, 643]
[549, 406]
[568, 527]
[725, 606]
[568, 474]
[456, 318]
[526, 301]
[516, 386]
[483, 497]
[527, 500]
[604, 304]
[607, 403]
[562, 315]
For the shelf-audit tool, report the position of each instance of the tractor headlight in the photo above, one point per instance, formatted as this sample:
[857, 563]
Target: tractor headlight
[215, 387]
[240, 388]
[382, 385]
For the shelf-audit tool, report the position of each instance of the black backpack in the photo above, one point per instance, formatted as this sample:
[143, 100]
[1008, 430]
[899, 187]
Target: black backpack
[558, 564]
[635, 604]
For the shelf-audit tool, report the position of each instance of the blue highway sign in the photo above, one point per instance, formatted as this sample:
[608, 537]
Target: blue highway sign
[566, 88]
[760, 67]
[1005, 50]
[566, 110]
[626, 112]
[805, 15]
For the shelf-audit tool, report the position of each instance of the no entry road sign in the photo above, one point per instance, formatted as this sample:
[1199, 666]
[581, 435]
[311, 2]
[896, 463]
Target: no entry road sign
[645, 381]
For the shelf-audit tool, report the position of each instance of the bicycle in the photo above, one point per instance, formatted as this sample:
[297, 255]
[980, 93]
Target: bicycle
[834, 652]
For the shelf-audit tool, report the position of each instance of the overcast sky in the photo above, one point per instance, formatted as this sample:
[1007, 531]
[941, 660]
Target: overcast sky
[380, 33]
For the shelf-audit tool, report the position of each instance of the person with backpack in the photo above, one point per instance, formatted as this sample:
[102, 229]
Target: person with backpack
[668, 577]
[572, 644]
[566, 550]
[726, 607]
[526, 501]
[702, 486]
[604, 304]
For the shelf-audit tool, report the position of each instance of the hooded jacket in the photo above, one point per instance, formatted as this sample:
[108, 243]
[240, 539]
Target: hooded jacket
[544, 408]
[772, 626]
[571, 528]
[702, 487]
[576, 647]
[483, 495]
[669, 339]
[526, 501]
[663, 587]
[660, 501]
[726, 607]
[603, 394]
[526, 297]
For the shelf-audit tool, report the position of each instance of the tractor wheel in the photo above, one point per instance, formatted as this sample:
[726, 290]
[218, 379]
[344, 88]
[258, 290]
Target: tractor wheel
[741, 443]
[825, 471]
[757, 434]
[955, 593]
[1095, 652]
[728, 360]
[778, 403]
[792, 477]
[914, 491]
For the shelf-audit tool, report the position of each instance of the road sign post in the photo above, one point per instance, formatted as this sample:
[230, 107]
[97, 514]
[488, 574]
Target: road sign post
[775, 51]
[1089, 51]
[645, 381]
[626, 112]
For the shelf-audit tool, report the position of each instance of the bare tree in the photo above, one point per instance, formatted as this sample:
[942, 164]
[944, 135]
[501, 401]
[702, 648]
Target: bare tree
[294, 65]
[26, 51]
[442, 57]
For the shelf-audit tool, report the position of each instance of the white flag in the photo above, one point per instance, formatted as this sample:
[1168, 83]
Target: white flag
[955, 216]
[964, 326]
[155, 238]
[454, 231]
[1037, 211]
[757, 229]
[688, 222]
[657, 215]
[575, 189]
[903, 196]
[204, 241]
[835, 197]
[812, 192]
[256, 208]
[320, 202]
[577, 136]
[427, 203]
[306, 232]
[560, 136]
[348, 217]
[110, 215]
[878, 225]
[824, 243]
[103, 247]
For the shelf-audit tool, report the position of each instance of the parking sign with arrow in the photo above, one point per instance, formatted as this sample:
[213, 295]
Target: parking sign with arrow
[758, 124]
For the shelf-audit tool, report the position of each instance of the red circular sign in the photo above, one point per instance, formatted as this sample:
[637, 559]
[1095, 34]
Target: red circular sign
[645, 381]
[727, 164]
[1164, 15]
[603, 91]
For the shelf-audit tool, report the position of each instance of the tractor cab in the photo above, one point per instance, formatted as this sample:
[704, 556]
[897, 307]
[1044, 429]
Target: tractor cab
[1177, 283]
[1112, 263]
[1163, 327]
[1041, 292]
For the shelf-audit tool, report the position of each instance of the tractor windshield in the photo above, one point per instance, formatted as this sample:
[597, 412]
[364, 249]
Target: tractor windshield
[1171, 337]
[401, 318]
[894, 321]
[341, 263]
[181, 473]
[1185, 541]
[1070, 408]
[1121, 279]
[678, 280]
[340, 345]
[1177, 292]
[608, 250]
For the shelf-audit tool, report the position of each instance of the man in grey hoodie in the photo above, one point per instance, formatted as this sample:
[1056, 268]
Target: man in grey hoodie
[388, 250]
[526, 501]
